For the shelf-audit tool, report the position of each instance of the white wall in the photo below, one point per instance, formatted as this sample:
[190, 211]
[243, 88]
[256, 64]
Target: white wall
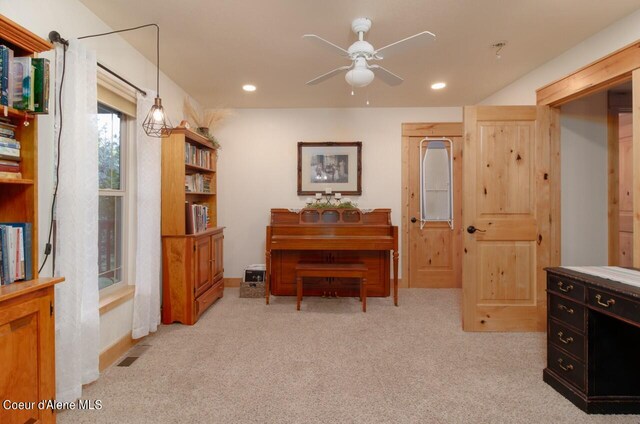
[583, 129]
[257, 168]
[612, 38]
[72, 19]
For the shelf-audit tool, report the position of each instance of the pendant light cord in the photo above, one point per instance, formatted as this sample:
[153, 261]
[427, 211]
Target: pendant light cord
[48, 246]
[133, 29]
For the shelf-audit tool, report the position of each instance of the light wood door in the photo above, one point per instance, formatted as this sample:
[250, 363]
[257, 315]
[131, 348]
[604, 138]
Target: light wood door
[506, 197]
[435, 250]
[217, 264]
[625, 190]
[203, 264]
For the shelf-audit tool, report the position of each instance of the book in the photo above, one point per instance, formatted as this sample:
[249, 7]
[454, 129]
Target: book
[10, 175]
[9, 168]
[5, 65]
[10, 158]
[21, 95]
[7, 132]
[9, 142]
[9, 151]
[4, 246]
[41, 85]
[25, 248]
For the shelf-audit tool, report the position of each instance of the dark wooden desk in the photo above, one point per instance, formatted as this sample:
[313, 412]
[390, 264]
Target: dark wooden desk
[593, 341]
[331, 236]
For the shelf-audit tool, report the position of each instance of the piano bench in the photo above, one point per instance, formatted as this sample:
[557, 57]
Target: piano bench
[348, 270]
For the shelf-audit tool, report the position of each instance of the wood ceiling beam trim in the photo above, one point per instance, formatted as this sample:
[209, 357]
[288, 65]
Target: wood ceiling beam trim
[606, 72]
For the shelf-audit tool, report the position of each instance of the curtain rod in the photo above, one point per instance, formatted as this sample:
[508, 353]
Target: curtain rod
[100, 65]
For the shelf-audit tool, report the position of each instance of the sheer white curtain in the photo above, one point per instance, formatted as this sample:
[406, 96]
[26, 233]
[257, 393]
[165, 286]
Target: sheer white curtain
[146, 303]
[76, 256]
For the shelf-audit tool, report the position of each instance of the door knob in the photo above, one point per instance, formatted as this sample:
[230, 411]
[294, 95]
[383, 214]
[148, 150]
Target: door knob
[471, 229]
[413, 219]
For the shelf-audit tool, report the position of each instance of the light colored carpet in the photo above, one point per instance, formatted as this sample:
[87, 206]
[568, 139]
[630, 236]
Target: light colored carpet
[245, 362]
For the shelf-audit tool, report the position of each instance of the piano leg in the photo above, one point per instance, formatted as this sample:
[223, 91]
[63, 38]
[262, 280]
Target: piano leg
[395, 277]
[267, 280]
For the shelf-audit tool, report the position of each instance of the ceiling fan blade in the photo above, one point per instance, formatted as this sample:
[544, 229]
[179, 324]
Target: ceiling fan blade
[327, 44]
[328, 75]
[386, 75]
[404, 44]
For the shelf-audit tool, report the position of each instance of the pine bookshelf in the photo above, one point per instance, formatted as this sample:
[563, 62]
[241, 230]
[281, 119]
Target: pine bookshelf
[192, 264]
[174, 171]
[27, 373]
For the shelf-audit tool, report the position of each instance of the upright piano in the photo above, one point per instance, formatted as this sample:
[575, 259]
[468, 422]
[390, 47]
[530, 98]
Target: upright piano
[331, 236]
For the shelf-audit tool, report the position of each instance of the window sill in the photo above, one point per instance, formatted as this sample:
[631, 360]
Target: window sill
[115, 298]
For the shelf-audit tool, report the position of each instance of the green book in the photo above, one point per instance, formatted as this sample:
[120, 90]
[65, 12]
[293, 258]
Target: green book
[41, 85]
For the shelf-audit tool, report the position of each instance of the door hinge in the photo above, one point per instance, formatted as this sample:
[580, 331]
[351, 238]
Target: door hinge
[50, 309]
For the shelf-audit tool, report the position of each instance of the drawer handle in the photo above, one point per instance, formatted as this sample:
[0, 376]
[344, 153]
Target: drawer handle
[563, 289]
[561, 365]
[565, 341]
[606, 304]
[564, 308]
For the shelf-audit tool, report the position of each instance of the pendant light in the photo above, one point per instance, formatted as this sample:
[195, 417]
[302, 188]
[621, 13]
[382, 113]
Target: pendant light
[156, 123]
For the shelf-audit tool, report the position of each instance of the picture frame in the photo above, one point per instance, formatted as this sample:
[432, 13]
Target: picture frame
[330, 165]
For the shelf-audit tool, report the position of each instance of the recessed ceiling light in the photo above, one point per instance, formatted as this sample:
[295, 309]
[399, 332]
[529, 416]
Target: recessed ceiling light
[249, 87]
[438, 86]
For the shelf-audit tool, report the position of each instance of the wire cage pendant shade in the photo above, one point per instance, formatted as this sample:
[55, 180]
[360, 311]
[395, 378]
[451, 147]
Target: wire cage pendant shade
[157, 123]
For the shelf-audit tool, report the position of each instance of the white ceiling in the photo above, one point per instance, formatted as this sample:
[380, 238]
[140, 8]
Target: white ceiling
[212, 47]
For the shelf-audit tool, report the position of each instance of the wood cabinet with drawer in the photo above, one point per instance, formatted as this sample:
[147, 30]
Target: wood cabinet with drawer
[192, 271]
[593, 339]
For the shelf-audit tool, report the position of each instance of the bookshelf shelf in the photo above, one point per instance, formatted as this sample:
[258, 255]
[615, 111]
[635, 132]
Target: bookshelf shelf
[194, 138]
[16, 181]
[199, 193]
[20, 115]
[195, 168]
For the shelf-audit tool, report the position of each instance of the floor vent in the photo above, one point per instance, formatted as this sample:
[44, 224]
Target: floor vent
[134, 354]
[127, 361]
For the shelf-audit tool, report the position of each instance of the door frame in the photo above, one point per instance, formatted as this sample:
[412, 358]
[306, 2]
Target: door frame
[616, 68]
[433, 129]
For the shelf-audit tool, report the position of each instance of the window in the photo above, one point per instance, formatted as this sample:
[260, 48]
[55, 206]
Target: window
[112, 191]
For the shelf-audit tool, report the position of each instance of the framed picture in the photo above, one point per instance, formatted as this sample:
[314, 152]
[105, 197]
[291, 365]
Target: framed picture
[330, 165]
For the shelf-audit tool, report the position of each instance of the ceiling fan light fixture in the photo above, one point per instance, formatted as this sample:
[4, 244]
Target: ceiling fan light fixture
[438, 85]
[359, 77]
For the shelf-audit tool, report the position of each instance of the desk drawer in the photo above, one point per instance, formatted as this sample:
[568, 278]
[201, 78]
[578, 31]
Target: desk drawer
[601, 300]
[566, 286]
[566, 367]
[566, 339]
[567, 312]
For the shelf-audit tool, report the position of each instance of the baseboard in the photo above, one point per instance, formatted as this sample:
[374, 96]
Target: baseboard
[116, 350]
[232, 282]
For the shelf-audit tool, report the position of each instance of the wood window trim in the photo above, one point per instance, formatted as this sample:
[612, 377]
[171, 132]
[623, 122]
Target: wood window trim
[116, 297]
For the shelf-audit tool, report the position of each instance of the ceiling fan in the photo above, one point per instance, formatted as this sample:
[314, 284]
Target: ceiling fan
[360, 73]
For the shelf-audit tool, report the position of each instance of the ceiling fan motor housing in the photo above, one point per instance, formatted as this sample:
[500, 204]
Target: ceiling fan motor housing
[361, 49]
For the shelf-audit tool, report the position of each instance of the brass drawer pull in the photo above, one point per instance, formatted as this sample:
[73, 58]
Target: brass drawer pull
[567, 368]
[564, 308]
[608, 303]
[565, 341]
[563, 289]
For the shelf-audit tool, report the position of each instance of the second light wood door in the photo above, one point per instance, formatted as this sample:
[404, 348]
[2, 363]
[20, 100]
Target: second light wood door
[625, 191]
[507, 188]
[435, 249]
